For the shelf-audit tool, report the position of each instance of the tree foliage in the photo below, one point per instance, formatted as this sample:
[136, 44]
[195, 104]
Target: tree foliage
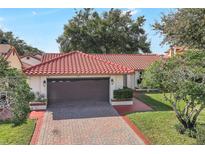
[110, 32]
[18, 92]
[20, 45]
[184, 27]
[183, 77]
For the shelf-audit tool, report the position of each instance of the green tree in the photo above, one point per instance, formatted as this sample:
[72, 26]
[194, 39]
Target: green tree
[110, 32]
[18, 92]
[20, 45]
[183, 27]
[182, 80]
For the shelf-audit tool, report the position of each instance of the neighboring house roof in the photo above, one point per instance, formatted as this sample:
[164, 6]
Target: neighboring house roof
[39, 56]
[31, 56]
[175, 50]
[5, 50]
[77, 63]
[134, 61]
[31, 60]
[25, 65]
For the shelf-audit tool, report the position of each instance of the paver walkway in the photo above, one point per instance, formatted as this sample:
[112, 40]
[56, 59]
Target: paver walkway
[86, 124]
[38, 115]
[137, 106]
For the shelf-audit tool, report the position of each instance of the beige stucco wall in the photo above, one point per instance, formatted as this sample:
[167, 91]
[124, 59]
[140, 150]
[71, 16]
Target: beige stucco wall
[14, 61]
[36, 82]
[31, 61]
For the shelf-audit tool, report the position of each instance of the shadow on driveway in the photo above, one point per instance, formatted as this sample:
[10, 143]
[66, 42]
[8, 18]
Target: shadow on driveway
[80, 110]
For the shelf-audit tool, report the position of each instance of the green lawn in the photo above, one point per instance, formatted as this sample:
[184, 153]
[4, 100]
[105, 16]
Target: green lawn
[159, 125]
[16, 135]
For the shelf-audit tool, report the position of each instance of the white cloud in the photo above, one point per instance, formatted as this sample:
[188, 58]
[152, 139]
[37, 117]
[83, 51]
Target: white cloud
[34, 13]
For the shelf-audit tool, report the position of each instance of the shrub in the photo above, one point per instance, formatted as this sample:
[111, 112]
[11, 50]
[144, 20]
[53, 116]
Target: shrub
[200, 136]
[18, 91]
[180, 128]
[182, 76]
[189, 132]
[40, 97]
[123, 93]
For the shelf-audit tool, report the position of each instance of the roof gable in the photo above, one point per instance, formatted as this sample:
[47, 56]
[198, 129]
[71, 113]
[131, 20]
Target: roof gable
[77, 63]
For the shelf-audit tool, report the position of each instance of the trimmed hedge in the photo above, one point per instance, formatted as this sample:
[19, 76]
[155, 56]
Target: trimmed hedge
[123, 93]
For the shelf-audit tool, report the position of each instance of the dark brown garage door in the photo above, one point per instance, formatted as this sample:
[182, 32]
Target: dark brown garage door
[78, 90]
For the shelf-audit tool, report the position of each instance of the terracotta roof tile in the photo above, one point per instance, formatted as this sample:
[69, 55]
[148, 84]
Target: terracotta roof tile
[134, 61]
[77, 63]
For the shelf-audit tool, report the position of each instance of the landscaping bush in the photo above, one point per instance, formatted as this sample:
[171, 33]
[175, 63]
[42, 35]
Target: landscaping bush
[40, 97]
[180, 128]
[189, 132]
[200, 136]
[124, 93]
[181, 79]
[18, 91]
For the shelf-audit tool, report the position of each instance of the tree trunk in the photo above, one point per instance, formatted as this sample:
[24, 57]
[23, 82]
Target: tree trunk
[194, 119]
[179, 117]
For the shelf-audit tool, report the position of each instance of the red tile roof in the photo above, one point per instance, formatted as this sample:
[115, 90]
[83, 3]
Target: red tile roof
[134, 61]
[5, 50]
[49, 56]
[77, 63]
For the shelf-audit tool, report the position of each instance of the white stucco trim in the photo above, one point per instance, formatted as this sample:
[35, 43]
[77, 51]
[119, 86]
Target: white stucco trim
[121, 102]
[131, 81]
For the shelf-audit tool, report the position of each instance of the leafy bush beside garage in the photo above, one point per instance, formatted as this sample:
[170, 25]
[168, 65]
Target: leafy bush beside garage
[18, 93]
[125, 93]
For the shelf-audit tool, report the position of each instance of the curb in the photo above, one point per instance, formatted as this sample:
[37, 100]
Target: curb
[136, 129]
[38, 116]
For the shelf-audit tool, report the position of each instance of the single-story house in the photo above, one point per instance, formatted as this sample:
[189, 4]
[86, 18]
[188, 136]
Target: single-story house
[77, 76]
[10, 54]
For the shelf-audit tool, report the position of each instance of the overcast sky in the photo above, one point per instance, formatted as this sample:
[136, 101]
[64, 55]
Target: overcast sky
[41, 27]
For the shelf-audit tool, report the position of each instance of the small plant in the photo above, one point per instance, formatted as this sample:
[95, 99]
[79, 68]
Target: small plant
[40, 97]
[124, 93]
[200, 136]
[189, 132]
[180, 128]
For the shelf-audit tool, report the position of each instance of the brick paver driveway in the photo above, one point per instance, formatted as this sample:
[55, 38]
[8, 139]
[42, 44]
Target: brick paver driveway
[85, 124]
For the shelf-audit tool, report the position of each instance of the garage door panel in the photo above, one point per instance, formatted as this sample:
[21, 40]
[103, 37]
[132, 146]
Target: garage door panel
[81, 90]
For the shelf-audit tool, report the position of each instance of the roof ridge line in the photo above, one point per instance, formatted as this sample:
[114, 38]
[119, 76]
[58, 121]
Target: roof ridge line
[132, 54]
[51, 60]
[107, 61]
